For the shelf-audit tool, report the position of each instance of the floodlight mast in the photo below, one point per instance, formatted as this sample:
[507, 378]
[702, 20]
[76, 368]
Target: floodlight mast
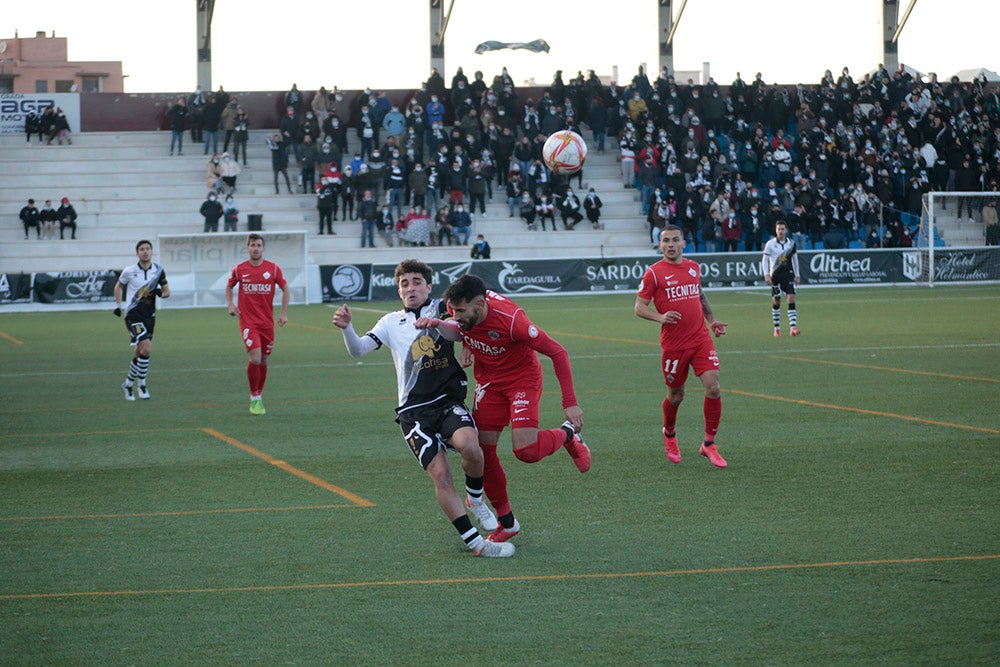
[205, 8]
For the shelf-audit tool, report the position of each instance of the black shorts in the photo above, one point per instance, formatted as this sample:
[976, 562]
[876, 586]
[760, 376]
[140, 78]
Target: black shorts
[140, 328]
[782, 281]
[426, 430]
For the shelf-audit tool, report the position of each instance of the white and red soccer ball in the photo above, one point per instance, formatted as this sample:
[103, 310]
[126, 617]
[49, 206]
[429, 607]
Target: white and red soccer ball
[564, 152]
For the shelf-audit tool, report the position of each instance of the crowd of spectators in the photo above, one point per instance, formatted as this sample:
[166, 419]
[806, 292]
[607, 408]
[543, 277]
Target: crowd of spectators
[842, 161]
[45, 219]
[51, 126]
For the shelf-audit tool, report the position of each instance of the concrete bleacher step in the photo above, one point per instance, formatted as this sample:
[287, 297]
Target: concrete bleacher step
[125, 186]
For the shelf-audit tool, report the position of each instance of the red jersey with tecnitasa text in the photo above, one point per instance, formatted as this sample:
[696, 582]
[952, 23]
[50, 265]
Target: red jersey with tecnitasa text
[256, 294]
[504, 346]
[677, 287]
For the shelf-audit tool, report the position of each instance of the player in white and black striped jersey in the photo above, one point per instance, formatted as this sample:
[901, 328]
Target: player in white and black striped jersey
[780, 268]
[432, 390]
[140, 284]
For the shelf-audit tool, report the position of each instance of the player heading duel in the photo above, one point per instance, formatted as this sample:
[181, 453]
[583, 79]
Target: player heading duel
[504, 342]
[673, 286]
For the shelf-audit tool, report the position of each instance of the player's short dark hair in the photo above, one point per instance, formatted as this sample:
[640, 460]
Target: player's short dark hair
[144, 241]
[780, 222]
[671, 228]
[255, 237]
[414, 266]
[465, 289]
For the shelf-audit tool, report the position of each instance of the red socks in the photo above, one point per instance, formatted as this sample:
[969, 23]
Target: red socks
[669, 416]
[495, 480]
[256, 375]
[548, 442]
[713, 415]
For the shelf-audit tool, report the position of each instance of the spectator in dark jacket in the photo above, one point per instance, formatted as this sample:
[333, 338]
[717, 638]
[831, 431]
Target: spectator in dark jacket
[67, 218]
[279, 161]
[178, 115]
[211, 118]
[212, 211]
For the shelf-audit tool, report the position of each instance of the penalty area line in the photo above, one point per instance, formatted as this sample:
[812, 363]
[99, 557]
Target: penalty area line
[523, 578]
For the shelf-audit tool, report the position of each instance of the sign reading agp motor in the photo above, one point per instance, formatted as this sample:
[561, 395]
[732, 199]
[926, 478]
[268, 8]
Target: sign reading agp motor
[15, 107]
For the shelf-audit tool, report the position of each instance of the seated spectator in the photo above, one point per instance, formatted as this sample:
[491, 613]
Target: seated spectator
[569, 209]
[29, 218]
[526, 207]
[592, 207]
[31, 126]
[417, 228]
[461, 223]
[67, 218]
[214, 173]
[229, 170]
[442, 224]
[61, 127]
[481, 249]
[545, 210]
[47, 124]
[387, 226]
[658, 216]
[834, 239]
[211, 211]
[47, 217]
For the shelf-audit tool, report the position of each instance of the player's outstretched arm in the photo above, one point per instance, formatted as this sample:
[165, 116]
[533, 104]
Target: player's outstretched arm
[357, 346]
[447, 328]
[718, 328]
[283, 313]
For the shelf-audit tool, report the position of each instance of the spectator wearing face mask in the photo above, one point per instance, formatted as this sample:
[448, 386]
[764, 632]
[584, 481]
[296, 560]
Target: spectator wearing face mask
[214, 173]
[592, 208]
[211, 211]
[461, 223]
[230, 214]
[229, 171]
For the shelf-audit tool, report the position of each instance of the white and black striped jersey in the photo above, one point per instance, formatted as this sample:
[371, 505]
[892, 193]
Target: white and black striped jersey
[139, 284]
[426, 368]
[779, 258]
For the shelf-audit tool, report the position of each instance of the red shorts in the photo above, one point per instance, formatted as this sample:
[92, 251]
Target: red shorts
[675, 362]
[262, 339]
[497, 406]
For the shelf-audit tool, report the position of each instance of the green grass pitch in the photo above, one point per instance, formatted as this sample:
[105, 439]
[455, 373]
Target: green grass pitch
[858, 521]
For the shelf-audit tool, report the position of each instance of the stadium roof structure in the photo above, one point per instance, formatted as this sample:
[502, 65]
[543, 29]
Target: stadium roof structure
[976, 73]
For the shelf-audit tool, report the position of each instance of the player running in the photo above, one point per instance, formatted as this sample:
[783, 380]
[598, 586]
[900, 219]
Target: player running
[503, 341]
[780, 268]
[673, 286]
[141, 283]
[257, 279]
[432, 390]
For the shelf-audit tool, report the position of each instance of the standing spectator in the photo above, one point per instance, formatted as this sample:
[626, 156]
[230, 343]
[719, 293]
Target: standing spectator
[279, 161]
[229, 114]
[61, 127]
[309, 155]
[211, 211]
[241, 134]
[780, 268]
[478, 180]
[394, 181]
[368, 212]
[47, 217]
[320, 104]
[432, 391]
[178, 115]
[230, 214]
[196, 104]
[257, 278]
[142, 282]
[229, 170]
[348, 193]
[732, 232]
[394, 123]
[991, 230]
[753, 228]
[481, 249]
[67, 218]
[29, 218]
[671, 296]
[326, 204]
[294, 99]
[442, 223]
[211, 119]
[418, 182]
[289, 129]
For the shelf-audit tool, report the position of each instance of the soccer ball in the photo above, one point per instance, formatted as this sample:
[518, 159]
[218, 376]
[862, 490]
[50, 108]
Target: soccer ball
[564, 152]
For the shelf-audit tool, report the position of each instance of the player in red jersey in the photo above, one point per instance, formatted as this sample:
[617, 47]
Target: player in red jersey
[257, 278]
[503, 341]
[673, 287]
